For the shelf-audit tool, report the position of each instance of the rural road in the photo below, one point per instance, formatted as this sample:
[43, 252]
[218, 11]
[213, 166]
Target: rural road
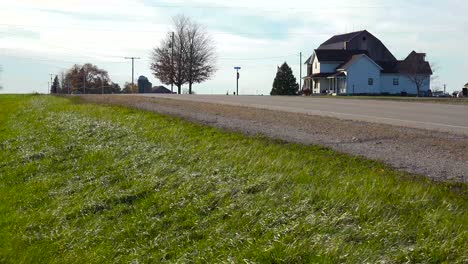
[432, 116]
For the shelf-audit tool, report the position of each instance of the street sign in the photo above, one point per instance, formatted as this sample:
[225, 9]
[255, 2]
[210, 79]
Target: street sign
[237, 68]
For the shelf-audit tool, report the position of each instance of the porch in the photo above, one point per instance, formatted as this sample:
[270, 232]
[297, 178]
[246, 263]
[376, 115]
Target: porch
[337, 83]
[326, 83]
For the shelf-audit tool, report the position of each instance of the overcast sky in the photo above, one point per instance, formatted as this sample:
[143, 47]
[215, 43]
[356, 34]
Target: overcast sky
[40, 37]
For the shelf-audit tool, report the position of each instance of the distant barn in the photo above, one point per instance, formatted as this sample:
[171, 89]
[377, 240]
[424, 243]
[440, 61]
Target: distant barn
[161, 90]
[145, 87]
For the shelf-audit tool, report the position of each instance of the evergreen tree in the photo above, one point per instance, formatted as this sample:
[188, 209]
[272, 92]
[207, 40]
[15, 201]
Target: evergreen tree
[285, 83]
[55, 86]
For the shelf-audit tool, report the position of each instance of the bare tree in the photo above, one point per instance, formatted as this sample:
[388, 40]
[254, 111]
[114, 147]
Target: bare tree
[167, 68]
[200, 55]
[417, 70]
[193, 59]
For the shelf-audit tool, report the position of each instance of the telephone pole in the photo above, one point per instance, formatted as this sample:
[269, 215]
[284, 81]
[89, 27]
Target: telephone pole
[133, 69]
[51, 82]
[172, 62]
[300, 71]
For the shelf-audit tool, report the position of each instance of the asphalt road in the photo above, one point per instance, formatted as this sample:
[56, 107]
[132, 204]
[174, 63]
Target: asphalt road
[432, 116]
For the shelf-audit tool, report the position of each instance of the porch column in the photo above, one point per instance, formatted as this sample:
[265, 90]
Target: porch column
[345, 85]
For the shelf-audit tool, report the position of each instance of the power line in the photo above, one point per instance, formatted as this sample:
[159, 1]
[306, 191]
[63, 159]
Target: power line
[261, 58]
[149, 60]
[55, 60]
[167, 31]
[230, 7]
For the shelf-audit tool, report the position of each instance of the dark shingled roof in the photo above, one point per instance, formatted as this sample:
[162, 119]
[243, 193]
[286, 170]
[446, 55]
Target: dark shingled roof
[337, 55]
[414, 67]
[414, 63]
[322, 75]
[161, 90]
[352, 60]
[403, 67]
[388, 66]
[338, 74]
[342, 38]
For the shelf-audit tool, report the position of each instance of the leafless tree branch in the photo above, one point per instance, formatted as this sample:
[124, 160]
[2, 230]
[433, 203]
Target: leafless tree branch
[194, 55]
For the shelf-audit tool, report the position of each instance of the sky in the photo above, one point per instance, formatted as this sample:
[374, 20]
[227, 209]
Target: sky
[43, 37]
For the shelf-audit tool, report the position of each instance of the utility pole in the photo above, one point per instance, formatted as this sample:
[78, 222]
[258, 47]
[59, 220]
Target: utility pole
[238, 76]
[133, 69]
[51, 82]
[300, 71]
[172, 62]
[84, 83]
[445, 89]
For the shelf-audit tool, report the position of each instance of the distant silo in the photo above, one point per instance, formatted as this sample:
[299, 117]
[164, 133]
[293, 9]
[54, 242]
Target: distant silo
[144, 86]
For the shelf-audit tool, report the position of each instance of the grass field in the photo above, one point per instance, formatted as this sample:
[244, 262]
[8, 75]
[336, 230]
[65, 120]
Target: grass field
[83, 183]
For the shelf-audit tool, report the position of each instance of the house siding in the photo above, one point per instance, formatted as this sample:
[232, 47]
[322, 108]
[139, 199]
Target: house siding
[405, 84]
[329, 67]
[316, 68]
[358, 75]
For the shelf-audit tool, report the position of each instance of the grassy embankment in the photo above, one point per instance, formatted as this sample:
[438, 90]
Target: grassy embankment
[90, 184]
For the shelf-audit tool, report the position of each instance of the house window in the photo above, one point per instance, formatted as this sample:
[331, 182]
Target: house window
[396, 82]
[316, 65]
[371, 81]
[315, 84]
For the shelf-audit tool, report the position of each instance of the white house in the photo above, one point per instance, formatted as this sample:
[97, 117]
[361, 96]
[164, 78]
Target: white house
[359, 63]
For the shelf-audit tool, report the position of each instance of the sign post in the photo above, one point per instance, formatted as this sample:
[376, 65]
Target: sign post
[237, 80]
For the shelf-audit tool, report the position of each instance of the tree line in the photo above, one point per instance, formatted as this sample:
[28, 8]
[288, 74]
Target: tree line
[1, 87]
[87, 79]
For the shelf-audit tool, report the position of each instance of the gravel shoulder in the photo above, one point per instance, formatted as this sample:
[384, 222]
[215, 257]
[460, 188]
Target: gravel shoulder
[440, 156]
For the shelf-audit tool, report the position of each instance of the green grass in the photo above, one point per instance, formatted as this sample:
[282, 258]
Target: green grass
[83, 183]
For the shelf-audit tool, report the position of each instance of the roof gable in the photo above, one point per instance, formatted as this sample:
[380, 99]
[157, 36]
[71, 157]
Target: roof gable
[355, 59]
